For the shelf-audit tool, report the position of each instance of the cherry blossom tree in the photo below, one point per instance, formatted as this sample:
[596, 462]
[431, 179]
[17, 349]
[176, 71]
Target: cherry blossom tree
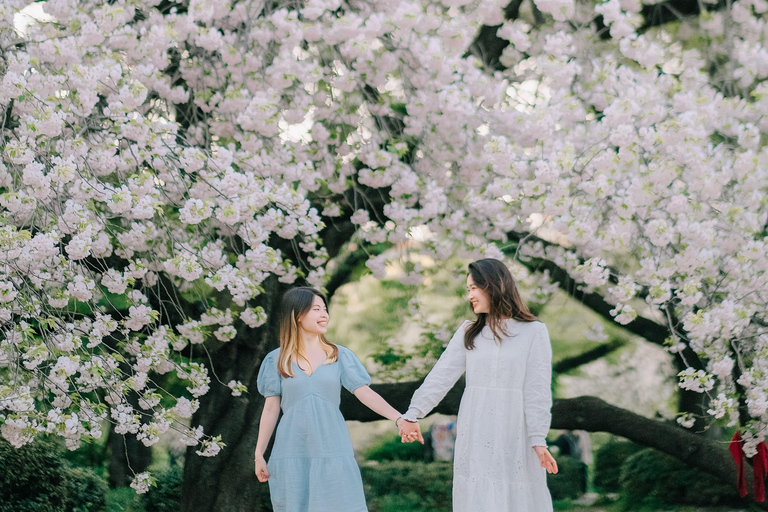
[168, 169]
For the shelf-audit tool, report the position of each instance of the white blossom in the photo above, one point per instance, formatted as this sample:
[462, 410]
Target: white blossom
[141, 482]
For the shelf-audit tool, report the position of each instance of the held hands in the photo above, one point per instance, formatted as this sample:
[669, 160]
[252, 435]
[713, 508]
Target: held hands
[261, 469]
[546, 459]
[409, 431]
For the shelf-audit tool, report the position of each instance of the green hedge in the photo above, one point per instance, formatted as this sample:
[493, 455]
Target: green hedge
[608, 461]
[570, 480]
[650, 476]
[392, 448]
[397, 486]
[86, 491]
[35, 478]
[413, 486]
[166, 496]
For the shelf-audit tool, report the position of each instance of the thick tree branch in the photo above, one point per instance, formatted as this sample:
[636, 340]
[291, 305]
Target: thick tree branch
[489, 47]
[399, 396]
[640, 326]
[345, 269]
[643, 327]
[8, 120]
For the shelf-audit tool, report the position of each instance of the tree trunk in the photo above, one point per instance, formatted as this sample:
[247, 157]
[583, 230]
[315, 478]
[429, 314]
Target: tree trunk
[226, 482]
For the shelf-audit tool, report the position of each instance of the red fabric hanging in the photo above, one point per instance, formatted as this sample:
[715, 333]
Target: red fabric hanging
[759, 466]
[736, 447]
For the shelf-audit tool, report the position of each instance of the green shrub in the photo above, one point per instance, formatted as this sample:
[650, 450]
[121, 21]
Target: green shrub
[87, 491]
[570, 479]
[166, 497]
[608, 461]
[656, 476]
[391, 448]
[35, 478]
[412, 486]
[123, 499]
[32, 478]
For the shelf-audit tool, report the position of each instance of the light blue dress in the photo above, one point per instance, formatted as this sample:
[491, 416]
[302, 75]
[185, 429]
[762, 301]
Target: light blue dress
[312, 467]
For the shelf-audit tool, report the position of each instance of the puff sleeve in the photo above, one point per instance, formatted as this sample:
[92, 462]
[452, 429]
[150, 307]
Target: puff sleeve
[353, 373]
[269, 380]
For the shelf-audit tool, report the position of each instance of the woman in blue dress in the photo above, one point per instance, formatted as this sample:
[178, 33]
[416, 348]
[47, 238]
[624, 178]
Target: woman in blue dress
[312, 467]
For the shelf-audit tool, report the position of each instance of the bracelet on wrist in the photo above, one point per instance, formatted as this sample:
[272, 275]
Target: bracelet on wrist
[406, 419]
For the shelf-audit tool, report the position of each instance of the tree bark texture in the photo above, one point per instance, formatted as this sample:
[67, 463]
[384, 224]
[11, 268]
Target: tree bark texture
[226, 483]
[570, 363]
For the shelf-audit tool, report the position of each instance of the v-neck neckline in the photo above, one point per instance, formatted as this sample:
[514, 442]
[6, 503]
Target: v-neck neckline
[309, 375]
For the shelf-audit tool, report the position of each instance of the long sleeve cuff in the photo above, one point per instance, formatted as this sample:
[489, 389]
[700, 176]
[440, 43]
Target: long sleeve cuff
[412, 414]
[538, 440]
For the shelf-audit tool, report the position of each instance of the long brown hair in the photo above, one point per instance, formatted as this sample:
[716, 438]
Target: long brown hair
[295, 304]
[493, 277]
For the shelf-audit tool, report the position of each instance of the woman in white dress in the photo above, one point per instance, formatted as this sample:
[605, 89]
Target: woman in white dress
[501, 458]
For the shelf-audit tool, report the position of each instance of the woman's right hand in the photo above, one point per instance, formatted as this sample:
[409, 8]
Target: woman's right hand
[547, 460]
[261, 470]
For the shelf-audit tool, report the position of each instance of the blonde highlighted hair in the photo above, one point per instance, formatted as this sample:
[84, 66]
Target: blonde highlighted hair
[295, 304]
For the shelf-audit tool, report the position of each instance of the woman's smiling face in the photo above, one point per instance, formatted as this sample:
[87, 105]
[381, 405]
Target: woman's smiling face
[315, 321]
[478, 298]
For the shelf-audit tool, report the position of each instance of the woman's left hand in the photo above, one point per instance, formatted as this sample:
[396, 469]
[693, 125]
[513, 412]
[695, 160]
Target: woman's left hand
[546, 459]
[262, 473]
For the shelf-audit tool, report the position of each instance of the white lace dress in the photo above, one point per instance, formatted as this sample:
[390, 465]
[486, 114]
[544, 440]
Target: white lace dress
[504, 412]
